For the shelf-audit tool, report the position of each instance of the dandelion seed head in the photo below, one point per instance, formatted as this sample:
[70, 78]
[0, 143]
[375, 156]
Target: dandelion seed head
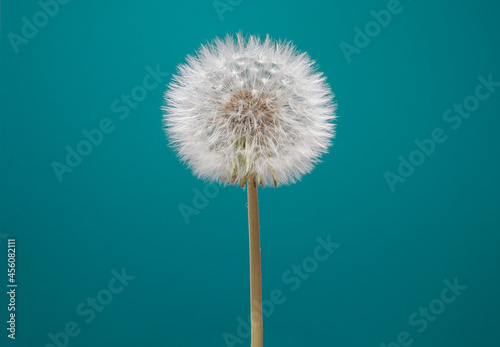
[245, 106]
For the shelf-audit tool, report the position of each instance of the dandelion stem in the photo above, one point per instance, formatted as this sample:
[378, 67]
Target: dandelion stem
[255, 270]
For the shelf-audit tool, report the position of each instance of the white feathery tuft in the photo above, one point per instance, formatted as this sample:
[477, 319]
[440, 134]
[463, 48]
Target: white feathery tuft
[244, 106]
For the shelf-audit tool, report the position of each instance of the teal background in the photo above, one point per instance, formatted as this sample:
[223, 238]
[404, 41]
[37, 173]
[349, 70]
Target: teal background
[120, 207]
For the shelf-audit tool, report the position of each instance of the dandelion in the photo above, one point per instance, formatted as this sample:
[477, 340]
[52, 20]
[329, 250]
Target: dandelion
[250, 112]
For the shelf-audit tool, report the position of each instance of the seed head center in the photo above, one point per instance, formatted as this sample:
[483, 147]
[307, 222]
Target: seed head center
[245, 107]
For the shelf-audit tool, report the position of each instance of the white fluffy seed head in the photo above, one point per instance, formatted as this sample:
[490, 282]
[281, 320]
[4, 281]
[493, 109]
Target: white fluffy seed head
[244, 106]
